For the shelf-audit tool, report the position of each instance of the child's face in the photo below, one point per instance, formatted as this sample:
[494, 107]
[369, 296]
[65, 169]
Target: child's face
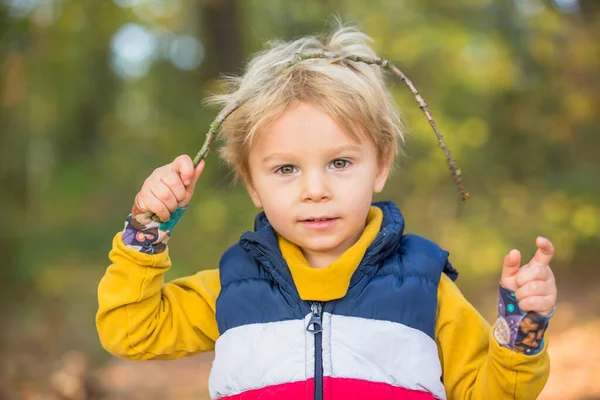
[314, 182]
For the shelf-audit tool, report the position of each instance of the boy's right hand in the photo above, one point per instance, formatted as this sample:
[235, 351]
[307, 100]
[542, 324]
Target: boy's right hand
[169, 187]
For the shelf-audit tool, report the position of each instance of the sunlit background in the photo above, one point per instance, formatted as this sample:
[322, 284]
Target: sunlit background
[95, 94]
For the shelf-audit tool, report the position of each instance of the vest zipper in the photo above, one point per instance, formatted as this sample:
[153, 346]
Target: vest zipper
[315, 326]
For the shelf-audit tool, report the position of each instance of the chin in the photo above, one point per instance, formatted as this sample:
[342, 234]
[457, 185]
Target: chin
[321, 246]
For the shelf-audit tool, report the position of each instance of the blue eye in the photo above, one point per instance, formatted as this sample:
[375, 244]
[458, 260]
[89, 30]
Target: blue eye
[286, 170]
[339, 163]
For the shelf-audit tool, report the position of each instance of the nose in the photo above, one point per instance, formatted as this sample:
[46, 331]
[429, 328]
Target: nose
[315, 187]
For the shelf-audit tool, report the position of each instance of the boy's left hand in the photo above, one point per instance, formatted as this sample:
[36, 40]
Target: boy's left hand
[533, 283]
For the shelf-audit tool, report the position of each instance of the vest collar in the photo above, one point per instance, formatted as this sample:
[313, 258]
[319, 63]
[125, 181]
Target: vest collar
[262, 243]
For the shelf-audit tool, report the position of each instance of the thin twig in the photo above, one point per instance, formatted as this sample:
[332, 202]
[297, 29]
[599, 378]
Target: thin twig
[213, 131]
[383, 63]
[215, 126]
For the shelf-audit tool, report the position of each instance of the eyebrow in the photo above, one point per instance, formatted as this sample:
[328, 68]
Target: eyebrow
[349, 147]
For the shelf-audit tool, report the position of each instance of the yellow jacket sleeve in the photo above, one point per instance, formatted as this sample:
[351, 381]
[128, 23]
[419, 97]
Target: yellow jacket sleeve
[140, 317]
[474, 365]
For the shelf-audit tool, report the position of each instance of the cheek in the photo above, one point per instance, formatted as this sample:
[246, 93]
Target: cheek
[276, 198]
[357, 190]
[279, 202]
[361, 199]
[278, 214]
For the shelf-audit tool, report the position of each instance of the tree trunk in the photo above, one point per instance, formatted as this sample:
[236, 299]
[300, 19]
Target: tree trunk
[13, 165]
[222, 30]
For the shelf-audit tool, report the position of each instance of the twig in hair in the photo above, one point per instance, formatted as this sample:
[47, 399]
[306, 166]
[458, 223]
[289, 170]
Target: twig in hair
[383, 63]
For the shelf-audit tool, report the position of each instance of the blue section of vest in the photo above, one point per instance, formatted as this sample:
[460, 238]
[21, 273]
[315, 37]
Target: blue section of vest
[396, 280]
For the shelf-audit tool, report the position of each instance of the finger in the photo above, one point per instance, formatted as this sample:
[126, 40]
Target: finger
[534, 288]
[140, 203]
[544, 253]
[184, 167]
[538, 304]
[164, 194]
[197, 172]
[150, 203]
[533, 272]
[175, 185]
[512, 261]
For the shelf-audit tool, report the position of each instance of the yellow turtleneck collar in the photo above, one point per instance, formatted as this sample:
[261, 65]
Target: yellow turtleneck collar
[330, 283]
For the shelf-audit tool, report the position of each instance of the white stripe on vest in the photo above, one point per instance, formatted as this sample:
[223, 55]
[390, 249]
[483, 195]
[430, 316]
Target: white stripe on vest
[255, 356]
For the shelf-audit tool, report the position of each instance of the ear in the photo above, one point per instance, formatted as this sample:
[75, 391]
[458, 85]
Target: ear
[251, 191]
[383, 172]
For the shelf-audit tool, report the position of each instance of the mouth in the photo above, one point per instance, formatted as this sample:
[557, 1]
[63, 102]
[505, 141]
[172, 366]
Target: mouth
[321, 222]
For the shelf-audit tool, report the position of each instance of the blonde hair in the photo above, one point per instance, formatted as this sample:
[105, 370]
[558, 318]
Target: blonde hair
[352, 93]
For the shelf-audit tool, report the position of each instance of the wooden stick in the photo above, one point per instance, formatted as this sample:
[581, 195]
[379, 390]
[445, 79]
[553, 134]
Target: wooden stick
[383, 63]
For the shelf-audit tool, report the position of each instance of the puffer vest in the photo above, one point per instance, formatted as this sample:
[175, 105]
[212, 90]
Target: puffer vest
[377, 342]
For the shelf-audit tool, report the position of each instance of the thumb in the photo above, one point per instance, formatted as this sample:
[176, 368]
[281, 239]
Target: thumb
[510, 269]
[197, 172]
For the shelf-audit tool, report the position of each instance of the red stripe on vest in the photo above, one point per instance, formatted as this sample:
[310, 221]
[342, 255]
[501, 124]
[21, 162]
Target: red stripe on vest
[333, 389]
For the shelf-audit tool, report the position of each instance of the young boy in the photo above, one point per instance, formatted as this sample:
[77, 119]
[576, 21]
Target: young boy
[327, 298]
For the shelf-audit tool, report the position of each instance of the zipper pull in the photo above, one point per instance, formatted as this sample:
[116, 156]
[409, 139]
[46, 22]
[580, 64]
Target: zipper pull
[314, 325]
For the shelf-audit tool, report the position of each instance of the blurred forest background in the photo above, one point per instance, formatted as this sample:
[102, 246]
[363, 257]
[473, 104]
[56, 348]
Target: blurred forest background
[95, 94]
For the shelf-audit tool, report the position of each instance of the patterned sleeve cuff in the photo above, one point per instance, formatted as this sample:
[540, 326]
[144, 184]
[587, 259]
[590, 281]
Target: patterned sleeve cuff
[518, 330]
[143, 234]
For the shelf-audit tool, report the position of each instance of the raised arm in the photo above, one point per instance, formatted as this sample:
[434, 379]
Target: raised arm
[139, 316]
